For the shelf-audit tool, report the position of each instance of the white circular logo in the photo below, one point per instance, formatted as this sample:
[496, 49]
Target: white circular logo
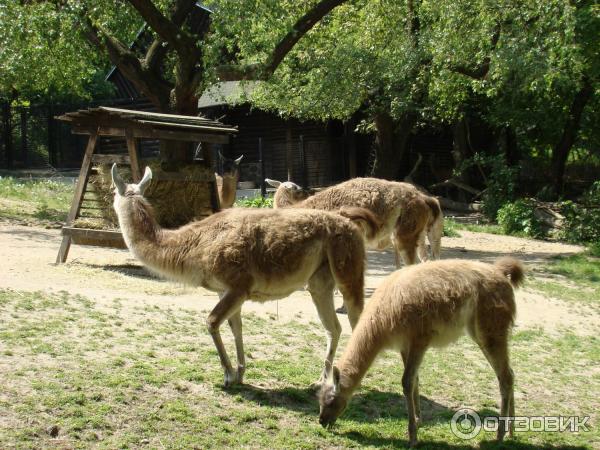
[465, 423]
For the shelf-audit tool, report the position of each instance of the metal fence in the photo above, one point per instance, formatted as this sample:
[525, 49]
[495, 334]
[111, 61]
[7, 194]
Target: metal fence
[31, 138]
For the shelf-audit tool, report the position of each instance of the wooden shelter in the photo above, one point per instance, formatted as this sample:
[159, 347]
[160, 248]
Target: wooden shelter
[133, 125]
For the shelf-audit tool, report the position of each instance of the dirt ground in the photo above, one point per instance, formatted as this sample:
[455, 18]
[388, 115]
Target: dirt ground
[27, 256]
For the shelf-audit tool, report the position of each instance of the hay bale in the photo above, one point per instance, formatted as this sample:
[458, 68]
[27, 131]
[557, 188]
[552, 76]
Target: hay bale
[177, 197]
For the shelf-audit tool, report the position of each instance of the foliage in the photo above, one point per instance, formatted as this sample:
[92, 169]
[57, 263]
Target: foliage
[501, 181]
[594, 249]
[367, 57]
[519, 218]
[582, 220]
[43, 55]
[450, 228]
[256, 202]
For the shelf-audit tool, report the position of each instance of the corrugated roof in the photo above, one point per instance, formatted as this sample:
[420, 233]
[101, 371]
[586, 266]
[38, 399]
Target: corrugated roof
[105, 115]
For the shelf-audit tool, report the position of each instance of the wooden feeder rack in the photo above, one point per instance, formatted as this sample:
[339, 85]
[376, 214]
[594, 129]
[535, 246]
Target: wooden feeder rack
[131, 125]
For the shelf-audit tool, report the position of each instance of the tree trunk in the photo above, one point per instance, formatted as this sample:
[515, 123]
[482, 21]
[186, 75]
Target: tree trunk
[561, 150]
[462, 151]
[179, 152]
[391, 144]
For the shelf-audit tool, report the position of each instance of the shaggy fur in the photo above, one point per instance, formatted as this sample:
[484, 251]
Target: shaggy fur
[407, 214]
[431, 304]
[227, 184]
[252, 254]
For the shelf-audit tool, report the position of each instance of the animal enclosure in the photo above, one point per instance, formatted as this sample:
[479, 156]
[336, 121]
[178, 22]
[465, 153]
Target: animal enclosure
[181, 203]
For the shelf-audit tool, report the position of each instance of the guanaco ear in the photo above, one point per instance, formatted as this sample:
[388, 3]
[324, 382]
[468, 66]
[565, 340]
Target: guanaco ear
[273, 183]
[117, 180]
[143, 184]
[335, 374]
[239, 160]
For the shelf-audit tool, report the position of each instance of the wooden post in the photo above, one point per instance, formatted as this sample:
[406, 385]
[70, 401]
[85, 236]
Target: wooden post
[84, 174]
[24, 149]
[207, 155]
[303, 162]
[136, 173]
[263, 186]
[288, 152]
[214, 196]
[7, 134]
[350, 139]
[52, 156]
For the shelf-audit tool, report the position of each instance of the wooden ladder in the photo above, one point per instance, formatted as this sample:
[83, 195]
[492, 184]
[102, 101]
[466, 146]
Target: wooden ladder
[89, 158]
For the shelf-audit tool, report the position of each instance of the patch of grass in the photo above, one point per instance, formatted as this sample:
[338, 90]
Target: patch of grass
[582, 267]
[577, 279]
[34, 200]
[159, 385]
[256, 202]
[453, 226]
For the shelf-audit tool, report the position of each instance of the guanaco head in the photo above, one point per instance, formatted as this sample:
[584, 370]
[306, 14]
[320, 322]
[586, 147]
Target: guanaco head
[332, 401]
[230, 166]
[123, 189]
[289, 192]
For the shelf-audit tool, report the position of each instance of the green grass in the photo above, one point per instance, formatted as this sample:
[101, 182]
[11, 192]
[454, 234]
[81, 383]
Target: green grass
[36, 201]
[255, 202]
[77, 375]
[452, 228]
[575, 278]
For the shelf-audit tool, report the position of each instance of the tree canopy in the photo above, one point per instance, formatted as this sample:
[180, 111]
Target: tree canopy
[531, 68]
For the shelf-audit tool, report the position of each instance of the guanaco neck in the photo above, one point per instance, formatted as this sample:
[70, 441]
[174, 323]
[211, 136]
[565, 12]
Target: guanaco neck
[136, 219]
[363, 347]
[227, 189]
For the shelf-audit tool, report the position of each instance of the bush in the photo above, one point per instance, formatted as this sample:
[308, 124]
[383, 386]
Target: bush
[594, 249]
[500, 185]
[519, 218]
[450, 228]
[256, 202]
[582, 220]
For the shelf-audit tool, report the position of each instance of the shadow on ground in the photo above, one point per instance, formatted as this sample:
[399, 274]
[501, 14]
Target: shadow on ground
[374, 405]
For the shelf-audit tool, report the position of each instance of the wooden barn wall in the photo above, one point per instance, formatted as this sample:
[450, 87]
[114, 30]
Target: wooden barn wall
[116, 145]
[324, 155]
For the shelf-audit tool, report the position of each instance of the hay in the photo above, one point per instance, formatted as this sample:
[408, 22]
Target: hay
[175, 201]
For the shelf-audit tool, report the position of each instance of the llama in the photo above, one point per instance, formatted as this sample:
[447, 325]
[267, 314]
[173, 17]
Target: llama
[430, 305]
[253, 254]
[227, 183]
[288, 193]
[407, 214]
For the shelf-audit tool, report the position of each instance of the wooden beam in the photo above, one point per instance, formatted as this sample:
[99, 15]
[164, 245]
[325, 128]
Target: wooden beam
[136, 173]
[183, 126]
[155, 134]
[106, 237]
[84, 174]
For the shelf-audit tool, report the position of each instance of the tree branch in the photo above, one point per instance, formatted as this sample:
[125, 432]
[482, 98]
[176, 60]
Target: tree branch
[155, 88]
[168, 30]
[481, 71]
[231, 72]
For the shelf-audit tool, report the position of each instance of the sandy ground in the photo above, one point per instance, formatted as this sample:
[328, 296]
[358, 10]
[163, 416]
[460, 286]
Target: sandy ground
[27, 256]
